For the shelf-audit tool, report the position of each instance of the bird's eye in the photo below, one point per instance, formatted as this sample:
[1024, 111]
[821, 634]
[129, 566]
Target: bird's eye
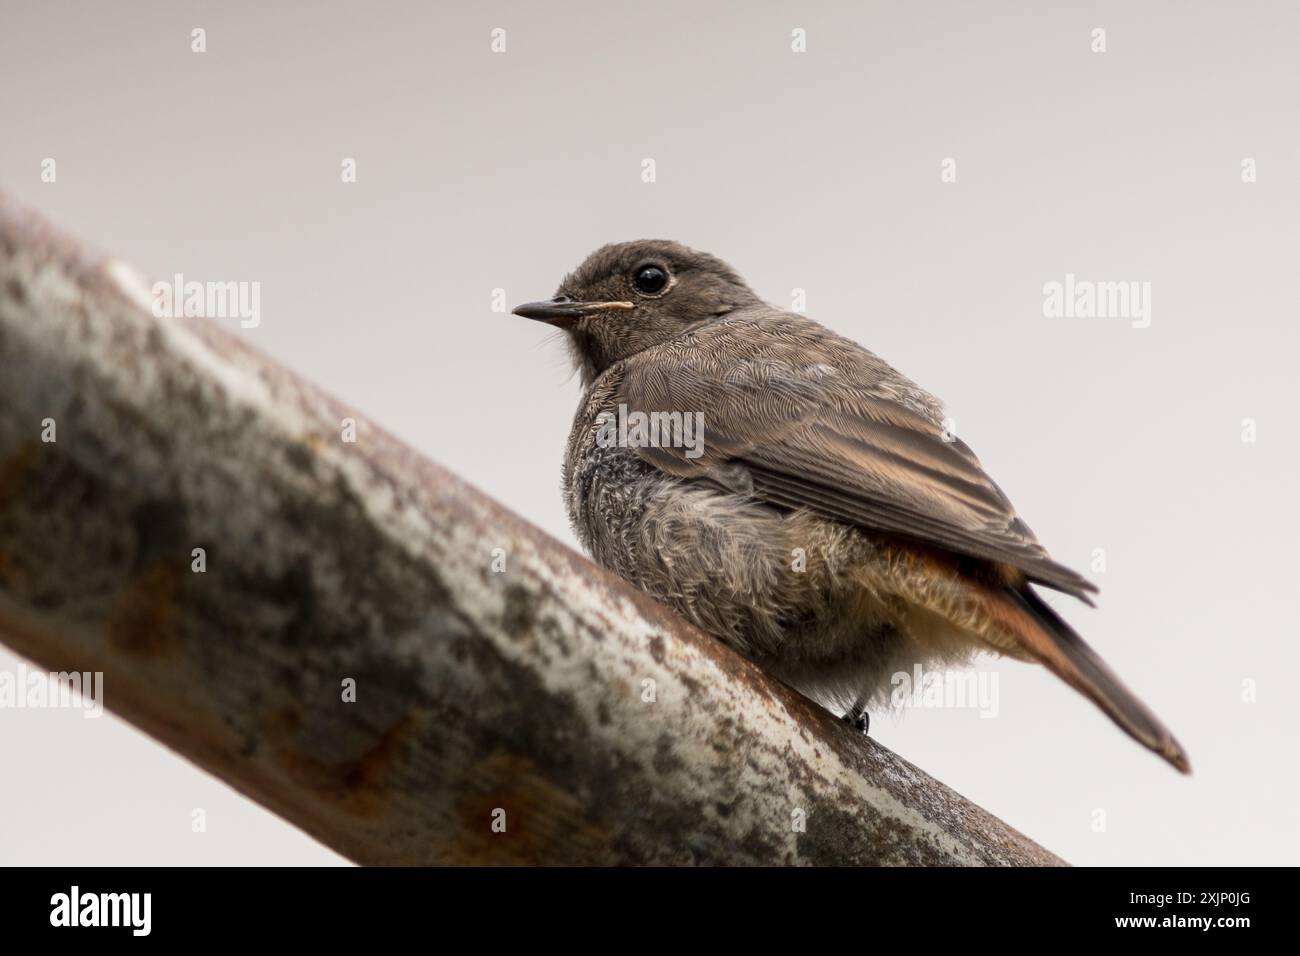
[650, 280]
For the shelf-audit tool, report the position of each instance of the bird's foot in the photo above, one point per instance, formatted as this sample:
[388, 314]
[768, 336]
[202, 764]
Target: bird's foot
[859, 720]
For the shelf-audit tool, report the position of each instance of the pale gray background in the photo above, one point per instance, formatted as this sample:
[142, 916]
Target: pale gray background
[818, 171]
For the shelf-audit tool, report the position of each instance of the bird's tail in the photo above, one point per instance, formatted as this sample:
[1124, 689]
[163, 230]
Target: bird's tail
[1045, 636]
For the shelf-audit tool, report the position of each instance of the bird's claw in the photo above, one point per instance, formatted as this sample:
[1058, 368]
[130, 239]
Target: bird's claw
[859, 720]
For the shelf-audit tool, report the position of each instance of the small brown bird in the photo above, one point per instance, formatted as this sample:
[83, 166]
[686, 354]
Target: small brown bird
[794, 496]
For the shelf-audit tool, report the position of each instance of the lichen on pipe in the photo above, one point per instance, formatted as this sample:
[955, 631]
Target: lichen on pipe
[370, 647]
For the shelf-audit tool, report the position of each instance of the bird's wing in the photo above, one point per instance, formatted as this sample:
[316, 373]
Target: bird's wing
[820, 423]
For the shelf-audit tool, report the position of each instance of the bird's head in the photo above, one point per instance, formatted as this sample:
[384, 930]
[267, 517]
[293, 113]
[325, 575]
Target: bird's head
[630, 296]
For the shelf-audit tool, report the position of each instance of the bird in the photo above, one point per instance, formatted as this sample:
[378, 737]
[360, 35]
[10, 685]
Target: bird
[794, 496]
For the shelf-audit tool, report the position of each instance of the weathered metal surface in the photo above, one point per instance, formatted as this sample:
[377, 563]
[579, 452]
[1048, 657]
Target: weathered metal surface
[521, 690]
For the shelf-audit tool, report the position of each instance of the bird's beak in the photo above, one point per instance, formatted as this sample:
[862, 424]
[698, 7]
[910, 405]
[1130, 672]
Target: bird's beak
[561, 311]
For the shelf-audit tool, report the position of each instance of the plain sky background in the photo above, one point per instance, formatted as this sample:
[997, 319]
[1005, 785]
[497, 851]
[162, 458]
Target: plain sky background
[818, 171]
